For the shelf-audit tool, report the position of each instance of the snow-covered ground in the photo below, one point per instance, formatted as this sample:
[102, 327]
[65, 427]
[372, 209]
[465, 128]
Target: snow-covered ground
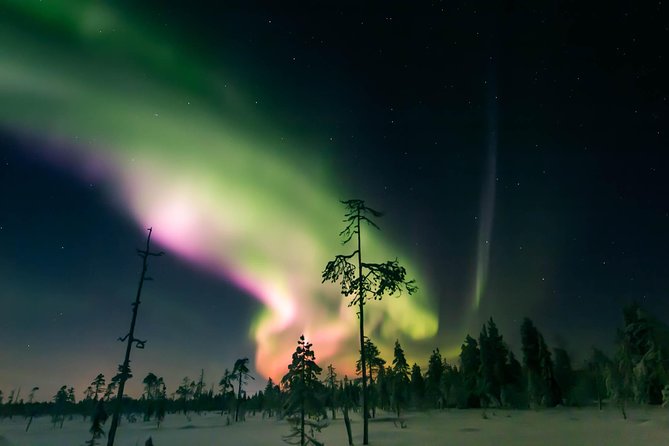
[561, 426]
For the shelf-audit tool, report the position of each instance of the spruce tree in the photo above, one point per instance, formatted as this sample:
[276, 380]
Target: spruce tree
[564, 374]
[470, 366]
[384, 387]
[417, 385]
[598, 366]
[400, 379]
[374, 364]
[331, 383]
[271, 400]
[450, 387]
[99, 419]
[435, 369]
[494, 354]
[646, 340]
[304, 404]
[542, 387]
[348, 397]
[363, 281]
[373, 359]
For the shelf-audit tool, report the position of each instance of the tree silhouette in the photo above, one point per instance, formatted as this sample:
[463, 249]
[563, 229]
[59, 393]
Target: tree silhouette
[152, 386]
[227, 391]
[435, 369]
[494, 355]
[98, 385]
[162, 402]
[241, 371]
[99, 418]
[331, 382]
[417, 385]
[373, 359]
[470, 366]
[272, 396]
[185, 392]
[598, 364]
[199, 394]
[361, 280]
[564, 374]
[31, 397]
[124, 368]
[542, 386]
[60, 403]
[348, 396]
[400, 378]
[304, 388]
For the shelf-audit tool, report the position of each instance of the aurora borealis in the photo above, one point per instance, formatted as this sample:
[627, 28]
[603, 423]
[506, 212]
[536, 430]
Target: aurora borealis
[176, 163]
[234, 130]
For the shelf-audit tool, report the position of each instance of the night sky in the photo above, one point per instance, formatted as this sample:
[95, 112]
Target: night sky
[520, 153]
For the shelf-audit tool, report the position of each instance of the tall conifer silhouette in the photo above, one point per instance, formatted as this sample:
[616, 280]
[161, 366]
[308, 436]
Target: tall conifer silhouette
[362, 280]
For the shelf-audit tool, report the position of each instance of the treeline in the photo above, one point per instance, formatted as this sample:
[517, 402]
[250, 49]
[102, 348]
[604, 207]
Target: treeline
[487, 374]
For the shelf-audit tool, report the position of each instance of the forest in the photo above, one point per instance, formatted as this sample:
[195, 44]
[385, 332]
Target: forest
[487, 375]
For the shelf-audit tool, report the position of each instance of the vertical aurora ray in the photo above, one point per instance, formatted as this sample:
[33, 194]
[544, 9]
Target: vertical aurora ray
[487, 212]
[159, 129]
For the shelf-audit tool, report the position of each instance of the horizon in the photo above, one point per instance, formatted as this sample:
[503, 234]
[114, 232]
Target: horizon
[518, 154]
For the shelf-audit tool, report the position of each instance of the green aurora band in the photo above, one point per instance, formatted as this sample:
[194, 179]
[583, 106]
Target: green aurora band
[113, 100]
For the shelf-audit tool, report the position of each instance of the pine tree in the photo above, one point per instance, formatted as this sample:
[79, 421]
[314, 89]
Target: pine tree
[227, 391]
[362, 280]
[151, 389]
[98, 385]
[185, 392]
[241, 372]
[161, 407]
[304, 391]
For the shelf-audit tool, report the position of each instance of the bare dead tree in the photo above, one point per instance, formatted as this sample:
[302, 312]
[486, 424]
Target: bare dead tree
[124, 369]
